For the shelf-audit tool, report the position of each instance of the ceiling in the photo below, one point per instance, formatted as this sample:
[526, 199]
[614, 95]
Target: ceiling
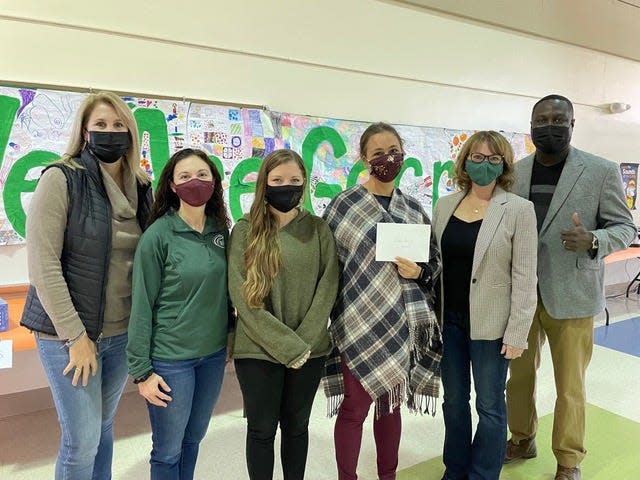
[611, 26]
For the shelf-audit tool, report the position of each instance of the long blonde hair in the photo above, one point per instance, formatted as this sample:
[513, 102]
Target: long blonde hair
[77, 141]
[262, 254]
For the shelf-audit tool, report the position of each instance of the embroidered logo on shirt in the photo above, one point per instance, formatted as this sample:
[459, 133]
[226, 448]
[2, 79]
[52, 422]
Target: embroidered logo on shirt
[218, 240]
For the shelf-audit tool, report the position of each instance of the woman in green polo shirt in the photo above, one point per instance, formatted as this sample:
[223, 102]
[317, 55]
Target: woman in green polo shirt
[283, 280]
[180, 317]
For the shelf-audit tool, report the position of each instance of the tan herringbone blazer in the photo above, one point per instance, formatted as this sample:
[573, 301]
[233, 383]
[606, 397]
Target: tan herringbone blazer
[503, 278]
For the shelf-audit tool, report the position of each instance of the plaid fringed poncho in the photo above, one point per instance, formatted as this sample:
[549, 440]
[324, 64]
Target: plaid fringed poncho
[382, 325]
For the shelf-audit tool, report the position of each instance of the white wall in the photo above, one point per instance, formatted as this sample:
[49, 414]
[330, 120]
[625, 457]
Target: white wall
[354, 59]
[604, 25]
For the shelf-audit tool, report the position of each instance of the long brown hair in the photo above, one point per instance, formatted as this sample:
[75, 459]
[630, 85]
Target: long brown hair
[498, 145]
[262, 254]
[166, 199]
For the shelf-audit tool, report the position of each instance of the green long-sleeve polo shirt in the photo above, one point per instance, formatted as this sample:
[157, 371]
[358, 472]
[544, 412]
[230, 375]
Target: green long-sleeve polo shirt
[180, 299]
[296, 311]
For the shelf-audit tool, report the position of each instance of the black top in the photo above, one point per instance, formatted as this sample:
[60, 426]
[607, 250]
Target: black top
[384, 201]
[458, 246]
[543, 185]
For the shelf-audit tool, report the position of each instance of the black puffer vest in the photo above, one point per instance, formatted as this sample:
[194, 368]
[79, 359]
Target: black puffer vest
[87, 247]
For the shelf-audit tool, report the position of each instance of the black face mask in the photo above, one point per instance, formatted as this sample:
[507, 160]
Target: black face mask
[108, 147]
[551, 138]
[284, 198]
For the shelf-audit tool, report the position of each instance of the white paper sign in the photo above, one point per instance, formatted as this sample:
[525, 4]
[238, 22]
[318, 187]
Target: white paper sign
[6, 353]
[403, 240]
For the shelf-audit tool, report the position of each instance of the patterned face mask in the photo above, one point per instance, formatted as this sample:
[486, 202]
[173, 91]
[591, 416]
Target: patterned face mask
[386, 166]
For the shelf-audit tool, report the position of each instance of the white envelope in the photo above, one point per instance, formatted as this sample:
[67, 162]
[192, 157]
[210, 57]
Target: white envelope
[410, 241]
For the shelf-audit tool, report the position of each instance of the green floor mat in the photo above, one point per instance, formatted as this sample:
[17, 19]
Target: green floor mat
[613, 452]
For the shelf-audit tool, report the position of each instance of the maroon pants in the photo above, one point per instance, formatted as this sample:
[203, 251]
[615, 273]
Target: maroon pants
[348, 432]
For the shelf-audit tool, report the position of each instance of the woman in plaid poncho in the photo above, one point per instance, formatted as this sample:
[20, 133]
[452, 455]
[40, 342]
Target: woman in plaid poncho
[386, 339]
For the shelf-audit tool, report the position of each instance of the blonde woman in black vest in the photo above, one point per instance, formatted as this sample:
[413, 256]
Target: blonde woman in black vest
[85, 219]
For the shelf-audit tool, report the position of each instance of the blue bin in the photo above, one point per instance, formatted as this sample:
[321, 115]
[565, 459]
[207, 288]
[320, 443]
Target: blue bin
[4, 316]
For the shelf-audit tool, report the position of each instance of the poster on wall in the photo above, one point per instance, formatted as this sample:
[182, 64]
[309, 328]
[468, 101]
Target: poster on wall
[35, 127]
[630, 183]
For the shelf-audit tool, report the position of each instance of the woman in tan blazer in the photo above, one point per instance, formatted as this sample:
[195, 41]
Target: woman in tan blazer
[488, 240]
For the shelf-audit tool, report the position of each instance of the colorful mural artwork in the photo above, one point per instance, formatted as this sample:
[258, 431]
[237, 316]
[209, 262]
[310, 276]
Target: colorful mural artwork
[35, 125]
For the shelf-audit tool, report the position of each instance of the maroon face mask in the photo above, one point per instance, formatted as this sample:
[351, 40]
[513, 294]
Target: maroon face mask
[195, 192]
[386, 166]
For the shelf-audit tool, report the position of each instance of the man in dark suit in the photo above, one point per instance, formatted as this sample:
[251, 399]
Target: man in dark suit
[582, 217]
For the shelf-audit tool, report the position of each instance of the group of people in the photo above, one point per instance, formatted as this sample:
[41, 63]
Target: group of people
[126, 283]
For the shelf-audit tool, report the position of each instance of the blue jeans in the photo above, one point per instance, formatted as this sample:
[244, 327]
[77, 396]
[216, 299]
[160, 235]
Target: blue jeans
[85, 413]
[178, 428]
[480, 458]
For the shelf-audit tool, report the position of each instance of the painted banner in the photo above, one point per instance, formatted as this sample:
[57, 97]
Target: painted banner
[35, 125]
[630, 183]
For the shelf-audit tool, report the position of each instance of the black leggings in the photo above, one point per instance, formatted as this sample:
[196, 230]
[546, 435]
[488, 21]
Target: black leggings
[273, 393]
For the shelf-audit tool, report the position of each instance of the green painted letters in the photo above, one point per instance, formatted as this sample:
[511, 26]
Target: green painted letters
[312, 141]
[238, 187]
[8, 108]
[152, 121]
[438, 169]
[17, 184]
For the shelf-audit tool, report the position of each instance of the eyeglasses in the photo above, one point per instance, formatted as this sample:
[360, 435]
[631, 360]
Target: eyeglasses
[479, 158]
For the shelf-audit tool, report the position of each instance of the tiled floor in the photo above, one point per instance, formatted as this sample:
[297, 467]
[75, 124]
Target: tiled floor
[622, 336]
[28, 443]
